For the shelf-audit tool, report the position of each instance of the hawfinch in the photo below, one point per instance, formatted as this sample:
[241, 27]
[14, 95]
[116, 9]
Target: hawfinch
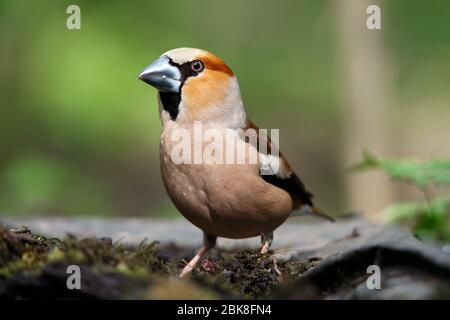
[223, 198]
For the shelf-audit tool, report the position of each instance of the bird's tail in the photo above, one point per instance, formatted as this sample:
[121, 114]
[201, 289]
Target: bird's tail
[311, 211]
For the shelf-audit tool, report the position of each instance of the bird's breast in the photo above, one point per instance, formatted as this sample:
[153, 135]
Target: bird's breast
[224, 199]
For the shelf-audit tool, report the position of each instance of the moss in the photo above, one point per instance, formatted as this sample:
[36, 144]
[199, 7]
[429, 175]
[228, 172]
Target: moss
[117, 270]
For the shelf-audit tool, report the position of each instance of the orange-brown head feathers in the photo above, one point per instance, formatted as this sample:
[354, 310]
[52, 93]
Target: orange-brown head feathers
[181, 56]
[195, 84]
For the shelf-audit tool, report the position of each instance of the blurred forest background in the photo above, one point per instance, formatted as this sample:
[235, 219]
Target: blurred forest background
[80, 134]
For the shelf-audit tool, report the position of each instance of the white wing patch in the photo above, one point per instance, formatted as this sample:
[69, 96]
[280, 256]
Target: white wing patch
[273, 165]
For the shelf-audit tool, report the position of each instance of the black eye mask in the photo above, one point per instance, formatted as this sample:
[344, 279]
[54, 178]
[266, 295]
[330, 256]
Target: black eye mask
[171, 100]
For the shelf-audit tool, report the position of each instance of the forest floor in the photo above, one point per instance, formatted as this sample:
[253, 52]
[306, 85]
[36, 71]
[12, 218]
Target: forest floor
[311, 261]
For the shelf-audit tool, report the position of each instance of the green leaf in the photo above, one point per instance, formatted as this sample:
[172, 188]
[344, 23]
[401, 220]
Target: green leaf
[420, 173]
[428, 220]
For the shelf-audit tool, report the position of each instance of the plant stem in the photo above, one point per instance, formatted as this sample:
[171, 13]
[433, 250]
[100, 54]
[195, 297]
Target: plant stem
[428, 196]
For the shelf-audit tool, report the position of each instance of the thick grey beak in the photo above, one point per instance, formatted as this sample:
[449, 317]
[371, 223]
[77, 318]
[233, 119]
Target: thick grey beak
[162, 75]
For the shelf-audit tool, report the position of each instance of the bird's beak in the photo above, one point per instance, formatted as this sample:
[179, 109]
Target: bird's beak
[162, 75]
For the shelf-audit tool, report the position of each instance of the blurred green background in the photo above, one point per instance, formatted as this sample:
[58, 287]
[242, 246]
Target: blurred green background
[80, 134]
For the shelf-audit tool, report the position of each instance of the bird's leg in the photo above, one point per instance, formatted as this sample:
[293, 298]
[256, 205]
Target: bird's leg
[188, 268]
[266, 241]
[209, 242]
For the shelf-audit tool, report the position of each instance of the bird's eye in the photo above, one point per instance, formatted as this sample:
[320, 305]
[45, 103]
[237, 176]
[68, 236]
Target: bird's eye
[197, 66]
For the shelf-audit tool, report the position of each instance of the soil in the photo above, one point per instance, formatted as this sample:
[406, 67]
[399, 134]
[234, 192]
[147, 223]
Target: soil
[334, 265]
[34, 266]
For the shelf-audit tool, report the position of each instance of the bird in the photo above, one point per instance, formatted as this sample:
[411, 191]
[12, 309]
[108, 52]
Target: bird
[229, 200]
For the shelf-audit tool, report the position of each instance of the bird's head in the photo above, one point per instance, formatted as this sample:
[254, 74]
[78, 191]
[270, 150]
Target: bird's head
[195, 85]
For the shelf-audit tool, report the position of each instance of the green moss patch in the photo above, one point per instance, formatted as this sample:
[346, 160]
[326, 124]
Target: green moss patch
[33, 266]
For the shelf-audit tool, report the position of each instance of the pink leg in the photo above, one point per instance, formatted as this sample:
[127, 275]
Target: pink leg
[209, 241]
[266, 241]
[265, 247]
[188, 268]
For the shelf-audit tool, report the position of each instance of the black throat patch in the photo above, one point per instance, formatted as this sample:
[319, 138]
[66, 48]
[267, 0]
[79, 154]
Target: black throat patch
[171, 102]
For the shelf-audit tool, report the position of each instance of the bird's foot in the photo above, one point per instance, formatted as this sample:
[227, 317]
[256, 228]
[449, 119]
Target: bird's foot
[266, 241]
[265, 247]
[191, 265]
[188, 268]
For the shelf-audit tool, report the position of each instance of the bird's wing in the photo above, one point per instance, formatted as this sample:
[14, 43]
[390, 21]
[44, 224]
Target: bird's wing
[285, 177]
